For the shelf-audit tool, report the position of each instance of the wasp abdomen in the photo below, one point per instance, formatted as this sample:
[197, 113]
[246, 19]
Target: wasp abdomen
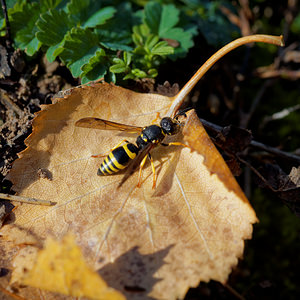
[118, 159]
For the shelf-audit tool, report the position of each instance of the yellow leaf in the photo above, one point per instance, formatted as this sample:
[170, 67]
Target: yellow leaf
[60, 267]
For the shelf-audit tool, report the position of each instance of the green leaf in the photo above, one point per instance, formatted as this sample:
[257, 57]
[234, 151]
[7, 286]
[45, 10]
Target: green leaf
[98, 71]
[79, 47]
[78, 10]
[151, 41]
[129, 76]
[114, 40]
[169, 18]
[139, 73]
[33, 46]
[160, 18]
[121, 66]
[23, 23]
[185, 40]
[118, 68]
[96, 67]
[48, 4]
[53, 52]
[53, 25]
[152, 16]
[162, 48]
[99, 17]
[88, 13]
[127, 58]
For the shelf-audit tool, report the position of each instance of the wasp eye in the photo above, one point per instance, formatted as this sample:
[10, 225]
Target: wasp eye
[169, 126]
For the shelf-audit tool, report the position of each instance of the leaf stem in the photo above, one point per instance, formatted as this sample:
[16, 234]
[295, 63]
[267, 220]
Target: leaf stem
[286, 155]
[179, 98]
[26, 200]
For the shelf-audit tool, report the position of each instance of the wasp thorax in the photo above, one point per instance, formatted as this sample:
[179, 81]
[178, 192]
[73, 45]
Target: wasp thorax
[169, 126]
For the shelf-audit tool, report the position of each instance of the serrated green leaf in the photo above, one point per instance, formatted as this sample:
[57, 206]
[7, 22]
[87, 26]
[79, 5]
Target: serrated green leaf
[78, 10]
[137, 39]
[33, 46]
[121, 66]
[96, 68]
[184, 38]
[53, 25]
[97, 59]
[118, 68]
[52, 52]
[87, 11]
[161, 20]
[99, 17]
[152, 15]
[59, 49]
[129, 76]
[24, 17]
[49, 3]
[139, 73]
[98, 72]
[162, 48]
[151, 41]
[80, 45]
[140, 50]
[23, 24]
[117, 60]
[169, 18]
[127, 58]
[115, 34]
[114, 40]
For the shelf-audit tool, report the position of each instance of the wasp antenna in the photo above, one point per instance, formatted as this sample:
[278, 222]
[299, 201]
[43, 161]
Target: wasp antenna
[182, 112]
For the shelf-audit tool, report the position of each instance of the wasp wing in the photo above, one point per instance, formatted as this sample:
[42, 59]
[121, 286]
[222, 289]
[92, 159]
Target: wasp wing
[106, 125]
[135, 163]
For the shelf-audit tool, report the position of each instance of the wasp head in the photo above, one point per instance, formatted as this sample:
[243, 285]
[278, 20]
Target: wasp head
[169, 126]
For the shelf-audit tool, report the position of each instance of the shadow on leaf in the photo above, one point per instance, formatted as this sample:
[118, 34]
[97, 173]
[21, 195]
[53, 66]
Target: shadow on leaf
[132, 273]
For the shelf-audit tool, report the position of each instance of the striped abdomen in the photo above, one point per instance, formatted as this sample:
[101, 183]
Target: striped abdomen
[118, 159]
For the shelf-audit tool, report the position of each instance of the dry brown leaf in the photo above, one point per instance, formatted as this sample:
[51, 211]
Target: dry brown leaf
[146, 243]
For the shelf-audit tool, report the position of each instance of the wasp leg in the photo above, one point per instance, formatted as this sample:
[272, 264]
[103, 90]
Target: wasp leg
[155, 120]
[153, 171]
[104, 155]
[140, 172]
[175, 144]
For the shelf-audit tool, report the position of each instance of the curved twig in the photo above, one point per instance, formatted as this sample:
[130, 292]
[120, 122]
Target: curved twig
[179, 98]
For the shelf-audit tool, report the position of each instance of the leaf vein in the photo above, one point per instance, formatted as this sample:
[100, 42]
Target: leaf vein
[193, 218]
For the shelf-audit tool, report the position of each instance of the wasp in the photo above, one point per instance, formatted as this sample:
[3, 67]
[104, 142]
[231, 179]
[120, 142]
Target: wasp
[130, 155]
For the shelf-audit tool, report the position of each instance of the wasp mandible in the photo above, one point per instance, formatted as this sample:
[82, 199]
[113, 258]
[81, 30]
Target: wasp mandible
[130, 155]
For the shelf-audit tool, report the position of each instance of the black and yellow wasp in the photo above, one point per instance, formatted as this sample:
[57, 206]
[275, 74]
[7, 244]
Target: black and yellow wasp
[130, 155]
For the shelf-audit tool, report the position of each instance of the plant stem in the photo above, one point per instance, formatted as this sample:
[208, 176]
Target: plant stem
[290, 156]
[26, 200]
[179, 98]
